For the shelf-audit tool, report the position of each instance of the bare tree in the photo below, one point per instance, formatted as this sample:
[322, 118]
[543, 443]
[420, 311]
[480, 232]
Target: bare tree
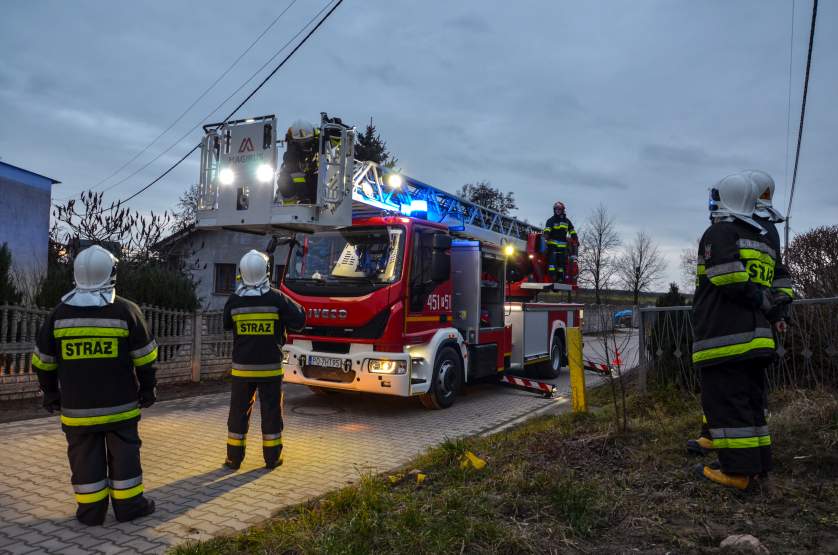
[598, 241]
[187, 207]
[688, 262]
[641, 266]
[812, 259]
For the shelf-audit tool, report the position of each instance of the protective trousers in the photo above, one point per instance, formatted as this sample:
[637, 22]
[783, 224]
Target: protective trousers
[556, 262]
[733, 399]
[242, 396]
[106, 464]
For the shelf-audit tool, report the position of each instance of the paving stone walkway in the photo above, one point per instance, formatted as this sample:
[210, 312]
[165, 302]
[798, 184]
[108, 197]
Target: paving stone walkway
[329, 442]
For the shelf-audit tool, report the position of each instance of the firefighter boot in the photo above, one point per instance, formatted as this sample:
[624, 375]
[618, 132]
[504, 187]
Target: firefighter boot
[700, 446]
[713, 474]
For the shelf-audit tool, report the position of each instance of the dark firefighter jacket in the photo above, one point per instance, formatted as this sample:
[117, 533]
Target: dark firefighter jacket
[736, 267]
[559, 233]
[99, 358]
[259, 325]
[782, 277]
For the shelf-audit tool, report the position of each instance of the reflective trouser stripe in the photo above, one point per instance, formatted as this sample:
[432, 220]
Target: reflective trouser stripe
[736, 443]
[92, 497]
[127, 493]
[733, 350]
[747, 437]
[257, 373]
[236, 440]
[267, 441]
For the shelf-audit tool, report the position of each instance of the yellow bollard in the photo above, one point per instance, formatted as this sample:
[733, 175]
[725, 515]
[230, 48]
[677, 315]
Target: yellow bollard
[577, 372]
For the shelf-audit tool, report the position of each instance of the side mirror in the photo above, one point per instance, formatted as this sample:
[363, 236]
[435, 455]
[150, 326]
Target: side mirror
[441, 242]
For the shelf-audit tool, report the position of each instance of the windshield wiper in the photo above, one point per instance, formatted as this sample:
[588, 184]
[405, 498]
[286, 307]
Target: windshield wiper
[318, 281]
[368, 280]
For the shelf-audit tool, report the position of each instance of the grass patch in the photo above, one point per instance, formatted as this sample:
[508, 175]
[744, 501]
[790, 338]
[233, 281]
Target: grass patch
[573, 483]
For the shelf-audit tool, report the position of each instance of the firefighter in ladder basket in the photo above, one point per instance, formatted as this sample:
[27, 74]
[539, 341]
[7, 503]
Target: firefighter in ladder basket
[561, 240]
[95, 359]
[734, 309]
[258, 316]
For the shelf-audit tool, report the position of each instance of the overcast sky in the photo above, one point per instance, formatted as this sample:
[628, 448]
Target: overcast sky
[640, 105]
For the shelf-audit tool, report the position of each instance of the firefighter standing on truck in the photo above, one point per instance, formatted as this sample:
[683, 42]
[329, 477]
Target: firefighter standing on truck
[561, 243]
[734, 308]
[258, 316]
[94, 357]
[767, 216]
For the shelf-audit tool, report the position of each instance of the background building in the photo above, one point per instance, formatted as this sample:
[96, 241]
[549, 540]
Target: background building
[25, 201]
[212, 258]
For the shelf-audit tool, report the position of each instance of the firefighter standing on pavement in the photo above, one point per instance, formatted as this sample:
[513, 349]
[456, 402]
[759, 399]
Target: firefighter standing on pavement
[734, 308]
[258, 316]
[767, 216]
[561, 242]
[94, 357]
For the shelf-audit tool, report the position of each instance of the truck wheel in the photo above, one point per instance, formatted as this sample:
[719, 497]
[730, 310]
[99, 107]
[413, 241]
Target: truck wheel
[558, 357]
[447, 380]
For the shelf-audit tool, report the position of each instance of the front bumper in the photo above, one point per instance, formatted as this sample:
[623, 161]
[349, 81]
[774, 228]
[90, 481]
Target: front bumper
[353, 374]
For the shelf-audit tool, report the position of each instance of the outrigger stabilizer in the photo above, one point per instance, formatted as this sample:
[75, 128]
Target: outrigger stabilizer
[547, 390]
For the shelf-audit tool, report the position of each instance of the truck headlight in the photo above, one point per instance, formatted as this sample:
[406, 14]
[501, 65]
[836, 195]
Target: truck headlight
[378, 366]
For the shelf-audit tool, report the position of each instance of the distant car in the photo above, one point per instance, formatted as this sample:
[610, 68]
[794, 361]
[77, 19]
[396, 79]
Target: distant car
[623, 318]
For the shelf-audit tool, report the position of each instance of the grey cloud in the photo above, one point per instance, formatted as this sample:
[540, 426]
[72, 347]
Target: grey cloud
[469, 22]
[689, 155]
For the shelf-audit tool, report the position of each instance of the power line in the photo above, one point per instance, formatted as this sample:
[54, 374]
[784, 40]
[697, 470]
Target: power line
[802, 117]
[788, 102]
[200, 97]
[221, 104]
[243, 102]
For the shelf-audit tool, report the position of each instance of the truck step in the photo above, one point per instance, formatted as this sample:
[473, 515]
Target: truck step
[546, 389]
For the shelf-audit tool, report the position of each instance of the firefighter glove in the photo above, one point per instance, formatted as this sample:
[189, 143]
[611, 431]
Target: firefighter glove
[779, 303]
[52, 401]
[147, 397]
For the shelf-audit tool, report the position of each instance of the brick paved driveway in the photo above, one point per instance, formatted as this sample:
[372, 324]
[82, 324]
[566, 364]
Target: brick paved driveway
[329, 442]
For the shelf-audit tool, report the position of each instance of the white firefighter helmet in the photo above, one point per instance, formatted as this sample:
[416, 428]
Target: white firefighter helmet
[764, 184]
[94, 268]
[94, 275]
[301, 130]
[253, 268]
[734, 195]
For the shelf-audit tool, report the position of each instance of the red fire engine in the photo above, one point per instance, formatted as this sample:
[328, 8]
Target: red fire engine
[408, 290]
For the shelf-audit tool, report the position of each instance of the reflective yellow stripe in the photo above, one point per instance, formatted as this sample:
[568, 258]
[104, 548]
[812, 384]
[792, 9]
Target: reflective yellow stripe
[703, 419]
[150, 357]
[271, 442]
[104, 419]
[701, 270]
[733, 350]
[41, 365]
[92, 497]
[764, 441]
[727, 279]
[785, 290]
[751, 254]
[236, 442]
[127, 493]
[90, 331]
[298, 179]
[258, 373]
[256, 316]
[736, 443]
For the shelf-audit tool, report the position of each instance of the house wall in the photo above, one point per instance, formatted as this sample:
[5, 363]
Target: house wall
[24, 213]
[202, 250]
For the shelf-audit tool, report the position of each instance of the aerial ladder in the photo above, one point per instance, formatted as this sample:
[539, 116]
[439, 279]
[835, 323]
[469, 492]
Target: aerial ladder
[238, 191]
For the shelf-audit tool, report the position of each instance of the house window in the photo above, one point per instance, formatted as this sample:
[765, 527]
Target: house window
[225, 279]
[279, 269]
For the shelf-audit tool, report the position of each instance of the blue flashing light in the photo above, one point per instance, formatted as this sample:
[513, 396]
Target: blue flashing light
[418, 205]
[404, 209]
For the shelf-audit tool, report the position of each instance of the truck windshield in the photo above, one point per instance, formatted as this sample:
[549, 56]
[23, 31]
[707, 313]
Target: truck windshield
[368, 255]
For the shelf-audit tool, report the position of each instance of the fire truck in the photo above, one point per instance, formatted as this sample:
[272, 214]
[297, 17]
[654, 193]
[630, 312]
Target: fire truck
[408, 290]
